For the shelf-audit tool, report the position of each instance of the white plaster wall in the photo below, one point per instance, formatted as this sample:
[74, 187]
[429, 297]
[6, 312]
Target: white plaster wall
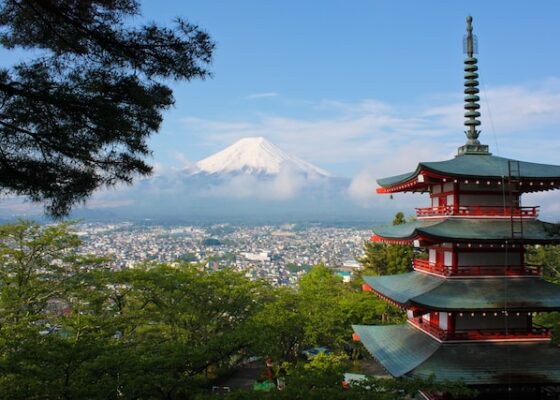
[443, 320]
[432, 255]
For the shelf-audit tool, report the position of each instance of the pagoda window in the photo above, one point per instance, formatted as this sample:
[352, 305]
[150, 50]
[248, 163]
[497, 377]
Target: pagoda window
[432, 256]
[448, 258]
[450, 199]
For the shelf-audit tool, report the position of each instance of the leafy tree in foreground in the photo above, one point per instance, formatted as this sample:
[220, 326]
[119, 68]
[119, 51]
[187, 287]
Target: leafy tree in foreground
[319, 313]
[71, 329]
[77, 116]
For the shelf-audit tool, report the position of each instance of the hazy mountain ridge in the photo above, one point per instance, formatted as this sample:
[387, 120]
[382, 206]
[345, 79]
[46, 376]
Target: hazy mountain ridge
[249, 180]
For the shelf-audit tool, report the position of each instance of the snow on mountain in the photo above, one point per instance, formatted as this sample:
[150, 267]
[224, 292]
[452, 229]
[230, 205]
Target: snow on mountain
[256, 155]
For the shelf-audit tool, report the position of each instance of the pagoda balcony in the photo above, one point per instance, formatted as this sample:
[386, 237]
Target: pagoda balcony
[486, 270]
[478, 212]
[537, 332]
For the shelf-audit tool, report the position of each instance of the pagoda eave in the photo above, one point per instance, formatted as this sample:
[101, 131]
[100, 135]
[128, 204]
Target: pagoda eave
[483, 170]
[405, 351]
[416, 290]
[473, 231]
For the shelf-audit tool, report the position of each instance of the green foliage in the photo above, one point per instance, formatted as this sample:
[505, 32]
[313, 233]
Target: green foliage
[320, 313]
[298, 267]
[547, 257]
[77, 115]
[386, 259]
[70, 328]
[399, 218]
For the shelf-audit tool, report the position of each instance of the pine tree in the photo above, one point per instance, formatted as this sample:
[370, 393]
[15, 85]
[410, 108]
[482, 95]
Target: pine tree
[76, 116]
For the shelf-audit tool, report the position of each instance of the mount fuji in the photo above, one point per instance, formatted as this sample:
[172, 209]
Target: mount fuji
[256, 156]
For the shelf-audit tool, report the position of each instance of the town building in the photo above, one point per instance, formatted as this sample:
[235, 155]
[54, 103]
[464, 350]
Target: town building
[471, 303]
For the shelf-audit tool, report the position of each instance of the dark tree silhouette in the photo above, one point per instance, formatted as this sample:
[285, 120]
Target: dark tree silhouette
[76, 116]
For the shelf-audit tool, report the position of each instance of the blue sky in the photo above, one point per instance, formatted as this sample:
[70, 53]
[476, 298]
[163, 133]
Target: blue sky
[353, 85]
[361, 86]
[364, 89]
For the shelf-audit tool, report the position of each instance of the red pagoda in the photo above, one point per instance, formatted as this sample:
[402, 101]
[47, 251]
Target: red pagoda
[470, 304]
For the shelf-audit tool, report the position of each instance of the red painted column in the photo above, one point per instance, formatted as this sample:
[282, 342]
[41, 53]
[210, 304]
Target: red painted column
[455, 197]
[434, 319]
[455, 261]
[450, 324]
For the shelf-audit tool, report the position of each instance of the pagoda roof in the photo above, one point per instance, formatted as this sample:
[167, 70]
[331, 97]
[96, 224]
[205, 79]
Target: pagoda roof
[468, 230]
[392, 346]
[472, 166]
[406, 351]
[473, 294]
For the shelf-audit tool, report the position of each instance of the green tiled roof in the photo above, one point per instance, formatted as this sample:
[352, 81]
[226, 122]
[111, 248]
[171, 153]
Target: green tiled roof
[431, 292]
[392, 346]
[402, 288]
[470, 230]
[405, 351]
[479, 165]
[493, 363]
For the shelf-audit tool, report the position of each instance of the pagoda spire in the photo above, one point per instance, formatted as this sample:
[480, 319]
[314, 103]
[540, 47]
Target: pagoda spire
[472, 146]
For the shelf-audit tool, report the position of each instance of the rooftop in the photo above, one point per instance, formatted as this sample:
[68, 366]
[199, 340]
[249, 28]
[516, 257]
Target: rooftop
[405, 351]
[432, 292]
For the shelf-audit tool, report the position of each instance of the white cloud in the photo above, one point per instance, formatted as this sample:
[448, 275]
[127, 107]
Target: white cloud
[182, 159]
[284, 186]
[261, 95]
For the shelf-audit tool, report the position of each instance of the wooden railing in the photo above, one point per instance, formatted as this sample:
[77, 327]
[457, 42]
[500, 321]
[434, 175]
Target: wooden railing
[425, 265]
[478, 270]
[536, 332]
[478, 211]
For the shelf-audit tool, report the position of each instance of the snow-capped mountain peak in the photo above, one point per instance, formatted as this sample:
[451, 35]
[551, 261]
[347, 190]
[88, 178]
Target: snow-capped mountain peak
[256, 155]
